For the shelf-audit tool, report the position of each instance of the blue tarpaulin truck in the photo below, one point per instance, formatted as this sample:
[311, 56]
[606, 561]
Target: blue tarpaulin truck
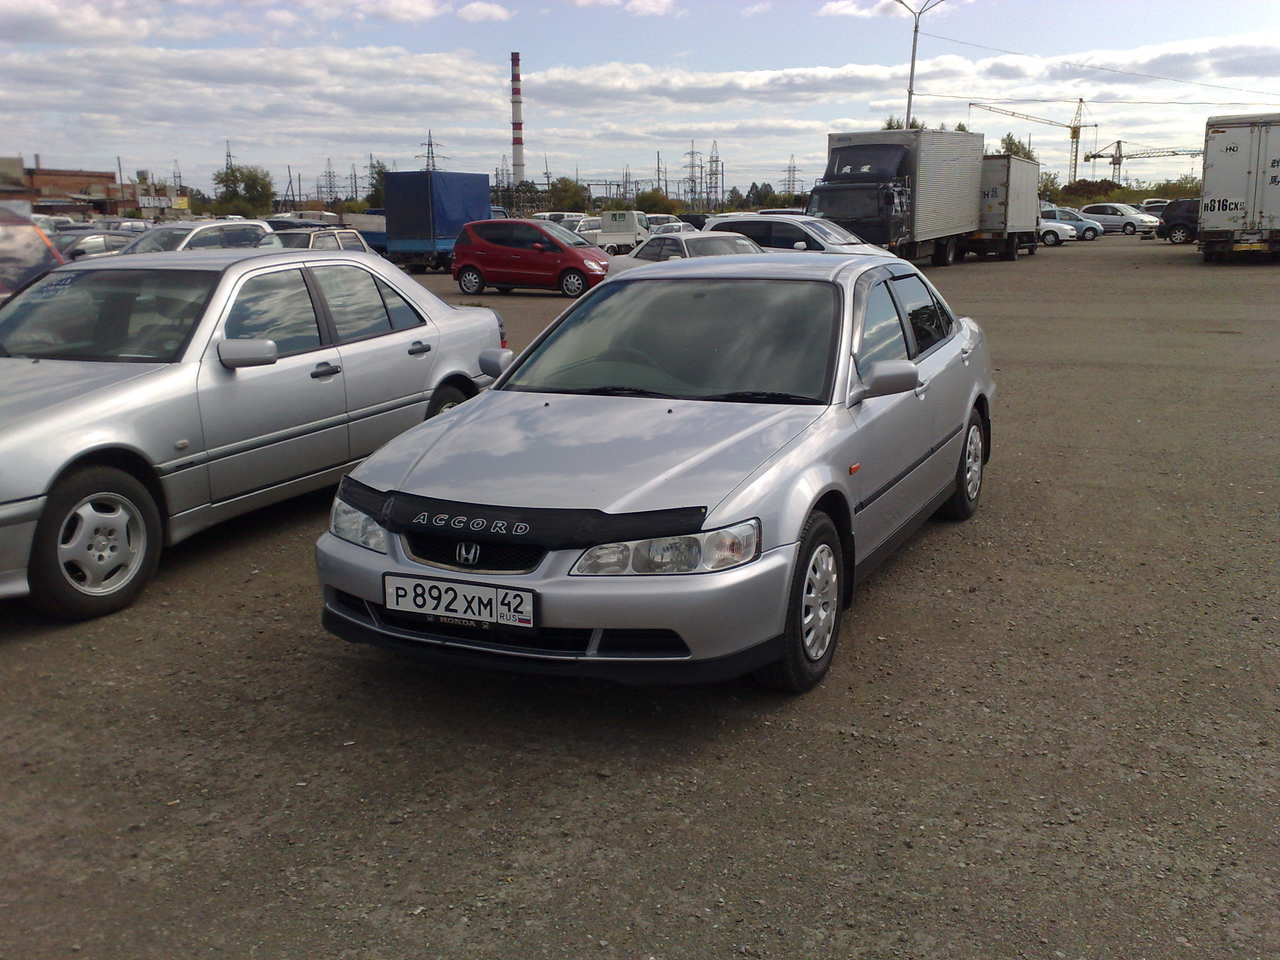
[425, 211]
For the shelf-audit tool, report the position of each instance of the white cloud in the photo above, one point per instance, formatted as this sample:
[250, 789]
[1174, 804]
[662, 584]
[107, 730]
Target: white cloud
[855, 8]
[596, 3]
[757, 8]
[478, 11]
[651, 8]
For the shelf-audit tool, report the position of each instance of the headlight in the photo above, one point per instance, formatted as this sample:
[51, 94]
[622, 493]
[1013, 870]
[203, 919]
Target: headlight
[354, 526]
[695, 553]
[595, 267]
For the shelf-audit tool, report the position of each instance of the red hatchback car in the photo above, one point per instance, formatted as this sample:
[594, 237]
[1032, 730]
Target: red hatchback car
[526, 253]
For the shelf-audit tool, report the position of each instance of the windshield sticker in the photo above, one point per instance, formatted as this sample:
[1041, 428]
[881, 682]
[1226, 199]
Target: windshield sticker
[54, 286]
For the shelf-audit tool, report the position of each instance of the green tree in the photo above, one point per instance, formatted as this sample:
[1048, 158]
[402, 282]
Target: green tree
[1013, 146]
[377, 195]
[244, 190]
[1050, 187]
[655, 201]
[734, 199]
[962, 127]
[895, 123]
[616, 203]
[567, 195]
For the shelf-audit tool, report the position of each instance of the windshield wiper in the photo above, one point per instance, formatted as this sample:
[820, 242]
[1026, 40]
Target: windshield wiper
[759, 396]
[618, 392]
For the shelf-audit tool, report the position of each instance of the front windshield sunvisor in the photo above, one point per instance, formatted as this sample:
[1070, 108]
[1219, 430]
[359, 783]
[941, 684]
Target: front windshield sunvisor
[131, 316]
[733, 340]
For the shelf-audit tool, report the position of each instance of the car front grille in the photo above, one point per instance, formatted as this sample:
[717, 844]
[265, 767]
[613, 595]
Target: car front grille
[492, 557]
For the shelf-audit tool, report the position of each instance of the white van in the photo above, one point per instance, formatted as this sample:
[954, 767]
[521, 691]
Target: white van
[622, 230]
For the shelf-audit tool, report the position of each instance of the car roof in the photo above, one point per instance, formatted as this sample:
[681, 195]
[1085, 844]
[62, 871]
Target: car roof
[782, 217]
[192, 224]
[765, 266]
[218, 259]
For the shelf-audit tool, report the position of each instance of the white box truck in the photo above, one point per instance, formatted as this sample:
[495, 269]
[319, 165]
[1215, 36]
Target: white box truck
[1240, 200]
[622, 230]
[1009, 217]
[913, 192]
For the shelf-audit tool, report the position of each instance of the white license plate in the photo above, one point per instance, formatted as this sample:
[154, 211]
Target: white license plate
[453, 601]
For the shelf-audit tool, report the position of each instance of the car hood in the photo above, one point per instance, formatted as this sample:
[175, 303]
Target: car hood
[615, 454]
[35, 388]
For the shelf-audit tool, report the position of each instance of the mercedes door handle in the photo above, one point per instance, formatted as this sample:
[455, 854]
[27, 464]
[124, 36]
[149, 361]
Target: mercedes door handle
[325, 369]
[418, 347]
[922, 388]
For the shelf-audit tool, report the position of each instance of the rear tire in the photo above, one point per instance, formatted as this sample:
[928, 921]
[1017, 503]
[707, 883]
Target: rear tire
[944, 255]
[1010, 251]
[963, 503]
[96, 545]
[444, 398]
[813, 610]
[469, 281]
[1179, 235]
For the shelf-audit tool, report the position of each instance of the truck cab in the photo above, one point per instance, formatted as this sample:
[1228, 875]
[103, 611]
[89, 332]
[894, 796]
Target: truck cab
[866, 190]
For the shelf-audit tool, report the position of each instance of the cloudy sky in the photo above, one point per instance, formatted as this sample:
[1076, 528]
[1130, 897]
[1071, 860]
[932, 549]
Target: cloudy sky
[607, 83]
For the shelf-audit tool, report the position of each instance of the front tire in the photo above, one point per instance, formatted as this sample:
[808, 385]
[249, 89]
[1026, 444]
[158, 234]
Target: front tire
[573, 283]
[1130, 229]
[1049, 238]
[1179, 235]
[469, 281]
[944, 255]
[963, 503]
[1089, 234]
[96, 545]
[813, 610]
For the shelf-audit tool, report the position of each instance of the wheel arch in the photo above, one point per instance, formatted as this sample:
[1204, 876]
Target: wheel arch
[834, 504]
[460, 380]
[983, 406]
[127, 460]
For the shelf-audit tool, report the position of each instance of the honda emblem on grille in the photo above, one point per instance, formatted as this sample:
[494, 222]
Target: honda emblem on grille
[468, 554]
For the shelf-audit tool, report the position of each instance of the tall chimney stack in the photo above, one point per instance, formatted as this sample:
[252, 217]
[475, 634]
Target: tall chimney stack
[517, 122]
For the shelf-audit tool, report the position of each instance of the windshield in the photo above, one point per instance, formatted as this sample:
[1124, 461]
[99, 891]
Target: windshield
[159, 240]
[856, 203]
[1125, 208]
[296, 240]
[593, 224]
[23, 255]
[744, 340]
[868, 161]
[832, 232]
[720, 246]
[129, 315]
[565, 236]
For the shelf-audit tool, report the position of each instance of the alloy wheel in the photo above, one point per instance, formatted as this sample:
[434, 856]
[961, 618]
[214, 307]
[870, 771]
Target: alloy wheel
[973, 462]
[102, 544]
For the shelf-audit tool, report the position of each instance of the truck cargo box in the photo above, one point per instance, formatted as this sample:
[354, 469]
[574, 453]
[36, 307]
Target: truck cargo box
[427, 208]
[1010, 195]
[1240, 206]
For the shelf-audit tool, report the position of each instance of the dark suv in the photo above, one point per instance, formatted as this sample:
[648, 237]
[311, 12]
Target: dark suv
[1179, 221]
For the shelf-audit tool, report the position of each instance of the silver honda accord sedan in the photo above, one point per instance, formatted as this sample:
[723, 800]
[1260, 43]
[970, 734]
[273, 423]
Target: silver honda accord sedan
[148, 397]
[681, 478]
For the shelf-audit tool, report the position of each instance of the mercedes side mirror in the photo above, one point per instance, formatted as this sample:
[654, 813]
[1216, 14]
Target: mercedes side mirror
[884, 378]
[494, 361]
[247, 353]
[799, 245]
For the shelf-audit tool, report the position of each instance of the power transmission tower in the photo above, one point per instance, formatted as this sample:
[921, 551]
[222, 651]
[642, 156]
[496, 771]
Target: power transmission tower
[695, 177]
[546, 171]
[230, 159]
[327, 185]
[715, 178]
[789, 179]
[430, 158]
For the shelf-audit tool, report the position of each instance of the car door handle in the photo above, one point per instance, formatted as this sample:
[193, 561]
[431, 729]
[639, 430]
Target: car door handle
[418, 347]
[325, 369]
[922, 388]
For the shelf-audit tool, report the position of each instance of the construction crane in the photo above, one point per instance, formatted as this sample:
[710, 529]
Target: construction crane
[1074, 126]
[1115, 153]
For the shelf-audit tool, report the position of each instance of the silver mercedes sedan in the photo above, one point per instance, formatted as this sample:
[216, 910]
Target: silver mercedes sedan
[148, 397]
[681, 478]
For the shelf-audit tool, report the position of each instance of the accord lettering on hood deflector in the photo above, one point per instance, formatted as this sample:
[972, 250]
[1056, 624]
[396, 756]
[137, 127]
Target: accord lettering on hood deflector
[551, 528]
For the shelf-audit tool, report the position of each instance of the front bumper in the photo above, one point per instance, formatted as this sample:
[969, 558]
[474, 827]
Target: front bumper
[640, 629]
[17, 530]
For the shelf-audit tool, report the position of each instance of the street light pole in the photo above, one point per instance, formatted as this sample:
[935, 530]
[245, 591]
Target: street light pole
[916, 14]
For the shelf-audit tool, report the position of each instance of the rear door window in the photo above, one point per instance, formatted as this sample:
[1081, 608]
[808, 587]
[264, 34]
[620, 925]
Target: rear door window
[929, 323]
[245, 235]
[649, 251]
[324, 241]
[354, 302]
[785, 236]
[206, 239]
[402, 315]
[275, 306]
[499, 233]
[757, 230]
[350, 240]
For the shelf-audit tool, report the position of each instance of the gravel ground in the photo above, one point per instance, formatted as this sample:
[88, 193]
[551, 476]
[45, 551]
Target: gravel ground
[1050, 732]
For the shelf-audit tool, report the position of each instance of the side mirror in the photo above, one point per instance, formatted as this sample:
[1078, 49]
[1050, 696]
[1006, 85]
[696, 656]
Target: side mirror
[799, 245]
[247, 353]
[886, 377]
[77, 253]
[494, 361]
[675, 256]
[539, 247]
